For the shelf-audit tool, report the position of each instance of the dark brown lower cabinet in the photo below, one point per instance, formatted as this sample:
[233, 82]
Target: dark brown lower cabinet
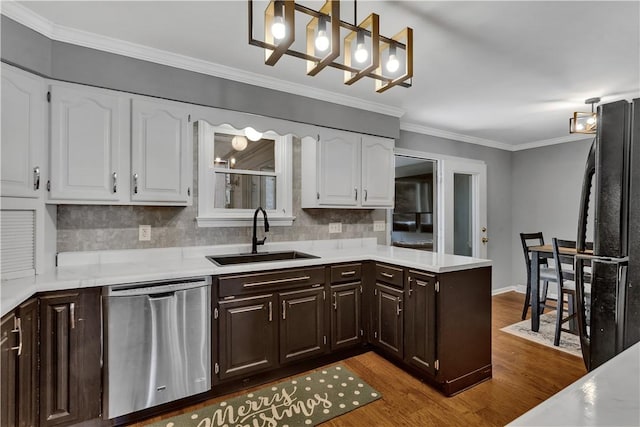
[346, 315]
[302, 326]
[8, 370]
[70, 368]
[420, 322]
[19, 386]
[247, 336]
[388, 319]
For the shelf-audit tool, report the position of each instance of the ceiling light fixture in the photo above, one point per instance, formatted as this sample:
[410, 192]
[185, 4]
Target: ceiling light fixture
[239, 142]
[363, 43]
[583, 122]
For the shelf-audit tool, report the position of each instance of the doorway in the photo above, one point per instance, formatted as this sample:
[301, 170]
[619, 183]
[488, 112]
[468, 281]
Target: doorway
[414, 216]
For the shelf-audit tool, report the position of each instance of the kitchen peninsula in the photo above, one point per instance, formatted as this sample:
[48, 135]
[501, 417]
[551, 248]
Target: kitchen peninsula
[429, 313]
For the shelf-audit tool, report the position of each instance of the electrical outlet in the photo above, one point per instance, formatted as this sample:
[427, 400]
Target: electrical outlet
[144, 233]
[379, 225]
[335, 227]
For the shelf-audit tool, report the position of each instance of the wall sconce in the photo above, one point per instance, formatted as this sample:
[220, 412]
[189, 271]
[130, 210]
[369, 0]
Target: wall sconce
[582, 122]
[363, 44]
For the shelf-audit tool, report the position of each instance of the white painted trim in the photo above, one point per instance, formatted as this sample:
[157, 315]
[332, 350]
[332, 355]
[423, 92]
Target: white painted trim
[503, 290]
[27, 17]
[552, 141]
[431, 156]
[426, 130]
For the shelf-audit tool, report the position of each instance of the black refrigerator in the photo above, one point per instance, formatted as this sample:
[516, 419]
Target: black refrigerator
[609, 315]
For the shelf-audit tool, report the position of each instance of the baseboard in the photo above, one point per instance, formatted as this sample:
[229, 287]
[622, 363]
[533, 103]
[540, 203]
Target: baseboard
[521, 289]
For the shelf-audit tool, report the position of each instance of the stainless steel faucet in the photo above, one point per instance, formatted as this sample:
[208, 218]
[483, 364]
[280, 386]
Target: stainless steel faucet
[254, 241]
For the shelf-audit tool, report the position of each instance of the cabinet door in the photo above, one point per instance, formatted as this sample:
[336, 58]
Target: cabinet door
[378, 171]
[161, 153]
[23, 133]
[346, 328]
[8, 370]
[247, 338]
[388, 322]
[302, 330]
[339, 169]
[70, 370]
[88, 144]
[28, 364]
[420, 331]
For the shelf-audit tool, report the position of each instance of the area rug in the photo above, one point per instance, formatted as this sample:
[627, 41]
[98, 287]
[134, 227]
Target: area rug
[569, 343]
[303, 401]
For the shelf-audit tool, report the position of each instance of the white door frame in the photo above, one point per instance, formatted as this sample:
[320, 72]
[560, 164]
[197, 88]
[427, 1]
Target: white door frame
[478, 171]
[446, 167]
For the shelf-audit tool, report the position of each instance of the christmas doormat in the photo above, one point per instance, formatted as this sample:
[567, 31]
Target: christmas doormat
[303, 401]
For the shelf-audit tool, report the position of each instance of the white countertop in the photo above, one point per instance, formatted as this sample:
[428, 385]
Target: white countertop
[100, 268]
[607, 396]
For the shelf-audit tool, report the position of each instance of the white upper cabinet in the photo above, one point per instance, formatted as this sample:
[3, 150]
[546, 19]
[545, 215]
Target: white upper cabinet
[89, 142]
[378, 172]
[23, 133]
[338, 163]
[347, 170]
[161, 153]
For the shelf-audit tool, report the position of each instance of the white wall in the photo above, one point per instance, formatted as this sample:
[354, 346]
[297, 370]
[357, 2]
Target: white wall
[546, 189]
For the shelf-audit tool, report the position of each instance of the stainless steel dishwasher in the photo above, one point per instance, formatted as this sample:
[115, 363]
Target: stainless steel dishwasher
[158, 343]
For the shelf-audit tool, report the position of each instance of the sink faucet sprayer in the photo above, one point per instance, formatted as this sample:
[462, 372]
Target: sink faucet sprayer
[254, 241]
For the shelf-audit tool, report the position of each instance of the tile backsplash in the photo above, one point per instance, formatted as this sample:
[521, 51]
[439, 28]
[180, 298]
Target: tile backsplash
[88, 227]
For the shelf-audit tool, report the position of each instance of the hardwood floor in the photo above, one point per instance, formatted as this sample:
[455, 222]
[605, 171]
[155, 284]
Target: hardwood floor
[524, 374]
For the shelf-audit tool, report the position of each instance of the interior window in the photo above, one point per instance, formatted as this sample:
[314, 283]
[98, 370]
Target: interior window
[238, 175]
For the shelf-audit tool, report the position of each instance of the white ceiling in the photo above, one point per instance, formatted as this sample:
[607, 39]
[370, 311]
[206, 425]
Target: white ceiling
[507, 74]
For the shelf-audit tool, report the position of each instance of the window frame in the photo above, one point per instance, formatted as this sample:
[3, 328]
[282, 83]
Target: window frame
[208, 215]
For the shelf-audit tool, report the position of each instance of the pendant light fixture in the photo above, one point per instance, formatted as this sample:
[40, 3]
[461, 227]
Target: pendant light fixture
[363, 44]
[583, 122]
[239, 142]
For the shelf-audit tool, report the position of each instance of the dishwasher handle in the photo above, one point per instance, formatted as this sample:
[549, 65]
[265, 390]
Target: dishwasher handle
[154, 289]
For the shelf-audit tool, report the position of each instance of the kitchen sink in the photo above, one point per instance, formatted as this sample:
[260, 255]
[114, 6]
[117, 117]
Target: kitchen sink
[231, 259]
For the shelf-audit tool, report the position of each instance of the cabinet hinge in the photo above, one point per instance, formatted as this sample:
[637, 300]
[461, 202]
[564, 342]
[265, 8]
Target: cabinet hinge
[375, 292]
[189, 118]
[49, 96]
[375, 334]
[318, 196]
[436, 365]
[324, 296]
[318, 138]
[215, 313]
[361, 332]
[216, 368]
[49, 185]
[361, 289]
[437, 286]
[324, 339]
[189, 191]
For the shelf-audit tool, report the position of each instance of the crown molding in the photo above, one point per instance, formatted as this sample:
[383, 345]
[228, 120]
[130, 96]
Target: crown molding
[426, 130]
[28, 18]
[552, 141]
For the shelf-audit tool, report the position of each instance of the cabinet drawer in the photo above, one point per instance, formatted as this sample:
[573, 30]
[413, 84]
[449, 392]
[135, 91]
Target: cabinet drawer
[267, 282]
[346, 273]
[422, 277]
[389, 275]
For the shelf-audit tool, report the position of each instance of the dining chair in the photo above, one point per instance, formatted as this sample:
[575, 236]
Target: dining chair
[546, 274]
[565, 279]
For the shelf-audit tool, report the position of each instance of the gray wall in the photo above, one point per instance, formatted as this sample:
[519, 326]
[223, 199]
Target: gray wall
[30, 50]
[546, 188]
[499, 198]
[83, 228]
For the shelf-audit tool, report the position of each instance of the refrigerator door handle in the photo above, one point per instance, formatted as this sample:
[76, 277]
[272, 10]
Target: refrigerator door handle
[589, 172]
